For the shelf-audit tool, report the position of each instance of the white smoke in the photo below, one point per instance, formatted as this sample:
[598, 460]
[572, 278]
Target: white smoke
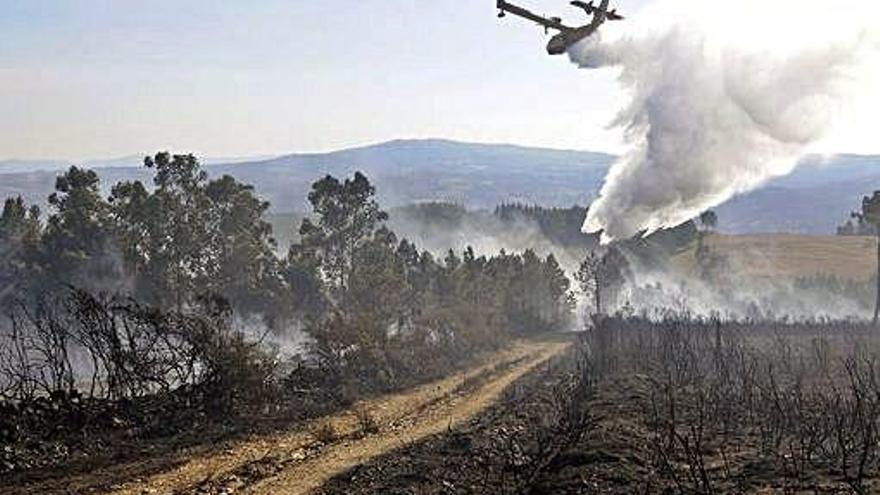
[724, 97]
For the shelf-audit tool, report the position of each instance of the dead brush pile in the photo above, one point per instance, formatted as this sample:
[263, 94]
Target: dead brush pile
[73, 370]
[743, 406]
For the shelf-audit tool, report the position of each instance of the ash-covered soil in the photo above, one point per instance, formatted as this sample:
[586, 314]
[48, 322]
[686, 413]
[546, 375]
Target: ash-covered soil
[304, 457]
[599, 426]
[504, 450]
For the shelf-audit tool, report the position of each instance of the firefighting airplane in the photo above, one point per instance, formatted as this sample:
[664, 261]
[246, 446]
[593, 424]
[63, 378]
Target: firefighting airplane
[567, 36]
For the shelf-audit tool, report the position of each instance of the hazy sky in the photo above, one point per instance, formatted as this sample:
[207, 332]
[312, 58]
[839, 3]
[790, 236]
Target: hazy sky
[103, 78]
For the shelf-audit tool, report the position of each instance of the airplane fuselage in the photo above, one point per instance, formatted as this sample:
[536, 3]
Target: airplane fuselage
[560, 43]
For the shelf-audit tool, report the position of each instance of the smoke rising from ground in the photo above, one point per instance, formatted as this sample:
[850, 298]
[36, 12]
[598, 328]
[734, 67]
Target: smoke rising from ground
[719, 107]
[660, 293]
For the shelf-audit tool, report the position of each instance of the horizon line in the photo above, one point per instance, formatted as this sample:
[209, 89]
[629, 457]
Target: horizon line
[263, 157]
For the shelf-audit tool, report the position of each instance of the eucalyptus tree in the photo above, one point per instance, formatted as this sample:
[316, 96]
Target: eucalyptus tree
[78, 246]
[346, 215]
[20, 233]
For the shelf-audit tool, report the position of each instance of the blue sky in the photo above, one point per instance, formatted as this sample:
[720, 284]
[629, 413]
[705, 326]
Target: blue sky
[101, 78]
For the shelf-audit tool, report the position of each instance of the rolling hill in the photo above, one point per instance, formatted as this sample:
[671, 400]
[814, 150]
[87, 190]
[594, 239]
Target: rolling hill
[789, 256]
[813, 200]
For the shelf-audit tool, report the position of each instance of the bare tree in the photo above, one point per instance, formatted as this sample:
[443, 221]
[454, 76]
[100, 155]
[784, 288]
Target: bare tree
[870, 214]
[602, 274]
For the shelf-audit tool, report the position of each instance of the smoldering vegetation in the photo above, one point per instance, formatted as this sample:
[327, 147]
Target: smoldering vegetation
[653, 280]
[165, 316]
[156, 317]
[687, 275]
[510, 227]
[711, 406]
[729, 385]
[673, 404]
[808, 298]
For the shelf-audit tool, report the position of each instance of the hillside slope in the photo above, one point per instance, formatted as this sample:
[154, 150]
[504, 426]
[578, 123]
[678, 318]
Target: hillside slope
[786, 256]
[815, 199]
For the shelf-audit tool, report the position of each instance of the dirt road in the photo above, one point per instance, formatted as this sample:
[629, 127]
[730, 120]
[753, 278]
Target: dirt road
[298, 462]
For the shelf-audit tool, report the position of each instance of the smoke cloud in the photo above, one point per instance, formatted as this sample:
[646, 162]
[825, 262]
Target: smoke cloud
[720, 106]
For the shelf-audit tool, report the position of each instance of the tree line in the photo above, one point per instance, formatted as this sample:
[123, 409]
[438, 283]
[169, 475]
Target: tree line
[187, 243]
[562, 226]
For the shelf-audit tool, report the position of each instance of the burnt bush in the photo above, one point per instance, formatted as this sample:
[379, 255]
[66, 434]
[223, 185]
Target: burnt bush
[115, 349]
[74, 369]
[729, 402]
[356, 351]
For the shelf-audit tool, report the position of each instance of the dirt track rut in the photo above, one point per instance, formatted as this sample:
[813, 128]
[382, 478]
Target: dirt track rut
[294, 462]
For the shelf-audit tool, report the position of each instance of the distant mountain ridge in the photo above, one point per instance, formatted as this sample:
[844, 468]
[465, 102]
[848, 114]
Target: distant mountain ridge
[411, 171]
[15, 166]
[815, 199]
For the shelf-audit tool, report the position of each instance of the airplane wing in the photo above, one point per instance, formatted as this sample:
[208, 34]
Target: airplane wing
[554, 23]
[610, 15]
[600, 14]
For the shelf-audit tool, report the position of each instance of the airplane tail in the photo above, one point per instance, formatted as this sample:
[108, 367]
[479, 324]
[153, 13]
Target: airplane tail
[588, 7]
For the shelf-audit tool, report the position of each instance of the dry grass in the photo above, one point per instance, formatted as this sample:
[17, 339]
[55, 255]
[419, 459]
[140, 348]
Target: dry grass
[791, 256]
